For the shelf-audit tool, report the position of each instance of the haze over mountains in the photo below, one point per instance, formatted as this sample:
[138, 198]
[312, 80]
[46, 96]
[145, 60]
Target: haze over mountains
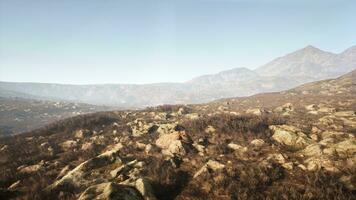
[305, 65]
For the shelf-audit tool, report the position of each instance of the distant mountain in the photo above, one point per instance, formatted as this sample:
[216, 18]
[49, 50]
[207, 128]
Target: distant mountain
[310, 64]
[302, 66]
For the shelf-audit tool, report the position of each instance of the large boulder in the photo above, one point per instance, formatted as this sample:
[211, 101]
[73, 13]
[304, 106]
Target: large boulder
[75, 176]
[176, 147]
[290, 136]
[165, 140]
[175, 143]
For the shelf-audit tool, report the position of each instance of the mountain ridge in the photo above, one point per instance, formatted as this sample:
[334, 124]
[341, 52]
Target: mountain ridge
[304, 65]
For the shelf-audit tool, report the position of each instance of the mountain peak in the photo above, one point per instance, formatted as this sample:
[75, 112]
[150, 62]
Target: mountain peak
[310, 49]
[351, 50]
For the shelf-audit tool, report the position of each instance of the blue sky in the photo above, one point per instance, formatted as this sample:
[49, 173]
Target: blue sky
[141, 41]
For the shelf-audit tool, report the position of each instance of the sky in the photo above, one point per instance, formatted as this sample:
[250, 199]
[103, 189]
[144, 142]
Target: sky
[141, 41]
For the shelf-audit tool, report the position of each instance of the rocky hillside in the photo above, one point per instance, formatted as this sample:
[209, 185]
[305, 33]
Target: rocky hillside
[296, 144]
[302, 66]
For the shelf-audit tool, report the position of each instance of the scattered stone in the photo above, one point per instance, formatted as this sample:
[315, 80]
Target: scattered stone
[286, 109]
[88, 146]
[199, 147]
[288, 166]
[210, 165]
[279, 158]
[4, 148]
[140, 146]
[312, 107]
[15, 185]
[69, 144]
[209, 130]
[255, 111]
[79, 133]
[192, 116]
[148, 148]
[237, 147]
[257, 142]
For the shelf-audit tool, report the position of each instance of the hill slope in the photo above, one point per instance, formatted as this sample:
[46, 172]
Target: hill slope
[18, 115]
[295, 144]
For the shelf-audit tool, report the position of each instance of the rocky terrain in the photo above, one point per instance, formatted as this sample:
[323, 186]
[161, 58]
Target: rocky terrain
[302, 66]
[19, 115]
[295, 144]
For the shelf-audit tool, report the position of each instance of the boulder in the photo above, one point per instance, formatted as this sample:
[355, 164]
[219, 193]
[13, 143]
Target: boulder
[312, 150]
[4, 148]
[32, 168]
[174, 143]
[331, 134]
[165, 140]
[88, 146]
[175, 148]
[140, 146]
[312, 107]
[254, 111]
[290, 136]
[110, 191]
[209, 130]
[15, 185]
[145, 188]
[192, 116]
[215, 165]
[210, 165]
[345, 114]
[75, 176]
[346, 147]
[279, 158]
[79, 133]
[257, 142]
[286, 108]
[325, 109]
[199, 147]
[237, 147]
[69, 144]
[348, 182]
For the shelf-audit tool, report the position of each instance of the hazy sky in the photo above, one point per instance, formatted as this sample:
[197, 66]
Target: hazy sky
[144, 41]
